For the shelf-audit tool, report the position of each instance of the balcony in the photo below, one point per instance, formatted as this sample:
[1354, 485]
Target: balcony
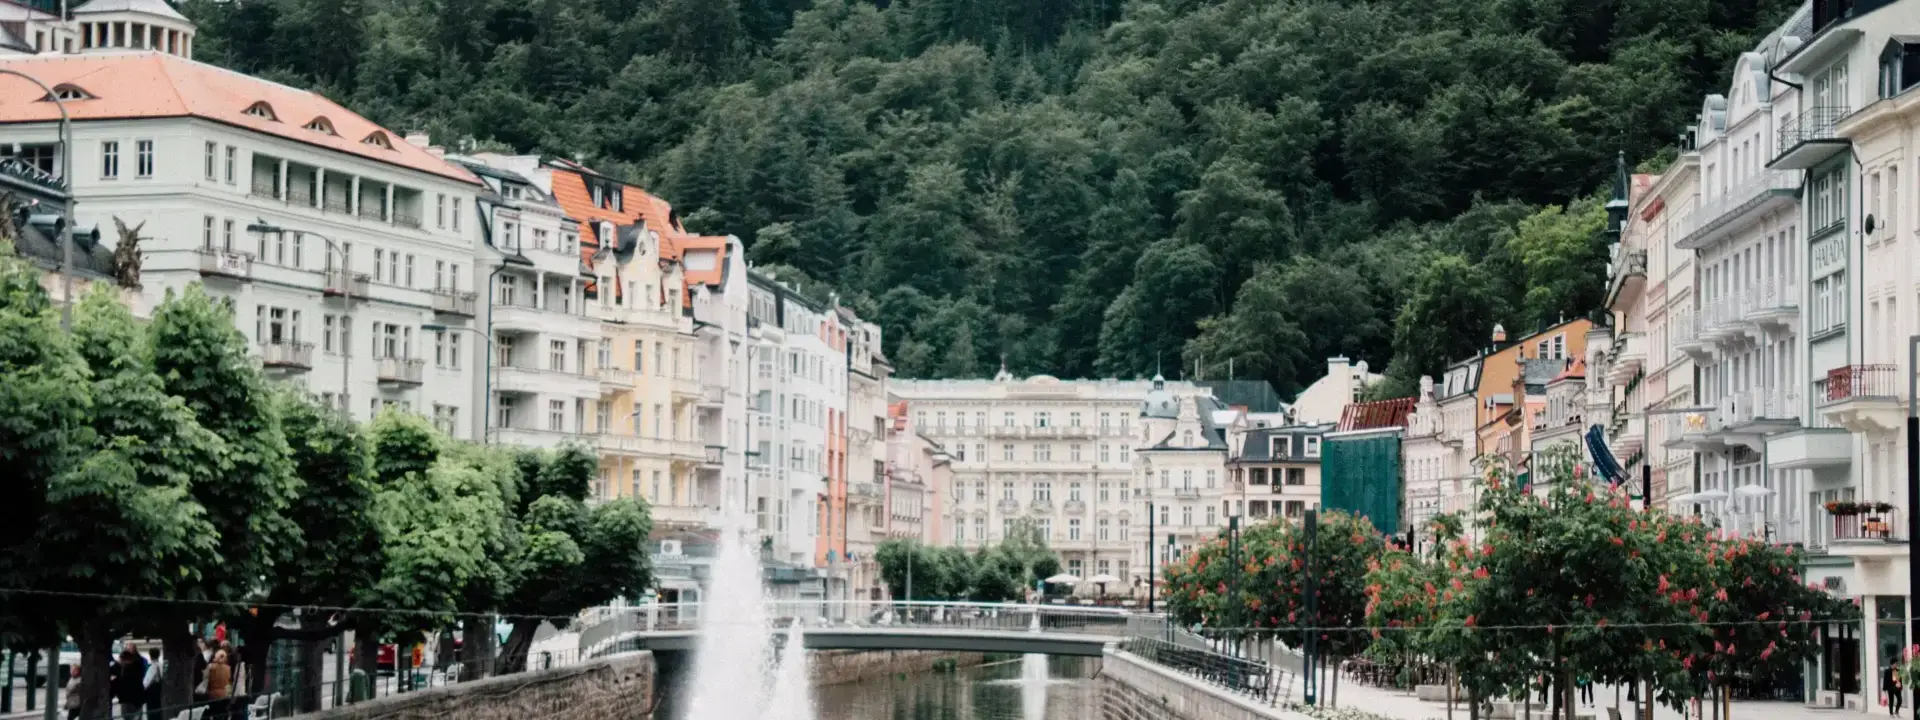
[1631, 436]
[265, 188]
[1627, 278]
[616, 378]
[295, 356]
[1041, 506]
[1775, 305]
[222, 263]
[541, 439]
[1685, 335]
[406, 220]
[1810, 448]
[686, 389]
[1074, 507]
[453, 302]
[713, 457]
[864, 493]
[1186, 493]
[1630, 357]
[1691, 429]
[1751, 197]
[1726, 319]
[341, 283]
[1009, 506]
[401, 371]
[1747, 417]
[1866, 529]
[684, 516]
[1808, 139]
[1864, 398]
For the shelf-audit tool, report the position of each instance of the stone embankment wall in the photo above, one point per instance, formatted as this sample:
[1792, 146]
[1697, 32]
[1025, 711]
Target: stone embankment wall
[612, 688]
[1133, 689]
[838, 667]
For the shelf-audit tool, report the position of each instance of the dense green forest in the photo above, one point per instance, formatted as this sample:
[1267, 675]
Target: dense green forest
[1077, 187]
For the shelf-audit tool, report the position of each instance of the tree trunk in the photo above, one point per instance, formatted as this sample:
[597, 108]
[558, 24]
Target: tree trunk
[366, 654]
[258, 635]
[1453, 685]
[1473, 706]
[313, 667]
[1570, 688]
[182, 657]
[476, 648]
[513, 658]
[1333, 698]
[96, 650]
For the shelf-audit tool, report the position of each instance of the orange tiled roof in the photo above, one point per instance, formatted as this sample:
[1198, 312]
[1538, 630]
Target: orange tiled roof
[1378, 414]
[134, 85]
[1576, 370]
[570, 190]
[717, 273]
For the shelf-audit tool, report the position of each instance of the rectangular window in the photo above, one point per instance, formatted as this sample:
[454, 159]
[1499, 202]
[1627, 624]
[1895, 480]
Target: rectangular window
[557, 356]
[453, 351]
[326, 334]
[1125, 455]
[143, 158]
[1006, 452]
[213, 158]
[379, 265]
[440, 348]
[226, 235]
[1073, 530]
[1043, 453]
[456, 214]
[206, 232]
[409, 275]
[556, 415]
[109, 159]
[440, 211]
[1313, 447]
[233, 155]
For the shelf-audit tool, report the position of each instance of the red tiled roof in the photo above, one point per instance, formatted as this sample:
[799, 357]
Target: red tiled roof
[637, 205]
[1375, 415]
[139, 85]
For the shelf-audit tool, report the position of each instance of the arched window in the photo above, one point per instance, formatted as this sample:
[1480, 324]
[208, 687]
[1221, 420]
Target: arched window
[262, 110]
[67, 92]
[377, 139]
[320, 125]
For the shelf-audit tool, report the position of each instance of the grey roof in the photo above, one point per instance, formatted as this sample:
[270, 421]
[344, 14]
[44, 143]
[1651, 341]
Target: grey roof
[1160, 403]
[1256, 395]
[1537, 373]
[1211, 431]
[1259, 445]
[11, 41]
[150, 7]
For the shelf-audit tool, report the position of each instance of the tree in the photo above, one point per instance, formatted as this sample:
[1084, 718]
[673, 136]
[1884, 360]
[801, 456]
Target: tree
[128, 492]
[1564, 252]
[1261, 583]
[202, 360]
[1450, 315]
[570, 557]
[1173, 288]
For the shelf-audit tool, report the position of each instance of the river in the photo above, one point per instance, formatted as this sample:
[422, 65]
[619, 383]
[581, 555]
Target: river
[998, 690]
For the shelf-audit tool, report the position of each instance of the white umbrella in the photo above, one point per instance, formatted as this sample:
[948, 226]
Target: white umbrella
[1708, 496]
[1062, 579]
[1683, 499]
[1752, 491]
[1103, 578]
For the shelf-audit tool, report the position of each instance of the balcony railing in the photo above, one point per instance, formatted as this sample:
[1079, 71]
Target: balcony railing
[1816, 123]
[350, 284]
[291, 355]
[1740, 197]
[1074, 507]
[1776, 294]
[1042, 506]
[716, 455]
[266, 189]
[1850, 382]
[1632, 262]
[1009, 506]
[224, 263]
[336, 206]
[300, 195]
[1186, 493]
[401, 371]
[371, 213]
[405, 220]
[455, 302]
[1877, 523]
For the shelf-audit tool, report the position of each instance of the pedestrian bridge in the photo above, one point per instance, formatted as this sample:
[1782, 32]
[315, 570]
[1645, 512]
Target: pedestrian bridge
[877, 625]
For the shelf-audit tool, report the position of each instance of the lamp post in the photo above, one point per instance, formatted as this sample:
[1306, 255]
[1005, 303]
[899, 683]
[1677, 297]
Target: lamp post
[1913, 487]
[486, 371]
[66, 224]
[260, 225]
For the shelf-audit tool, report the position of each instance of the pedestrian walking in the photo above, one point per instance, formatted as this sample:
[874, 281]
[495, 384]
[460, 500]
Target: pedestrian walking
[74, 694]
[1586, 690]
[129, 684]
[1890, 684]
[201, 661]
[150, 684]
[219, 686]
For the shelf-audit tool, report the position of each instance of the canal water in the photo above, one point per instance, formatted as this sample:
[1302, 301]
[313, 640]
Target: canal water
[1009, 689]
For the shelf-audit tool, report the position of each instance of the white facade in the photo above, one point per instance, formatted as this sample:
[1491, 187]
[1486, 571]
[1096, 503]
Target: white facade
[268, 221]
[1181, 478]
[1323, 401]
[870, 493]
[1059, 452]
[100, 25]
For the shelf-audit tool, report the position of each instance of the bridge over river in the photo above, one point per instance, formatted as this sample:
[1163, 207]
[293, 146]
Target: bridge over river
[1004, 628]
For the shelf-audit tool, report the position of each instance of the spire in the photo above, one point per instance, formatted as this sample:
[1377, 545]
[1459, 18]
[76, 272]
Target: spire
[1621, 181]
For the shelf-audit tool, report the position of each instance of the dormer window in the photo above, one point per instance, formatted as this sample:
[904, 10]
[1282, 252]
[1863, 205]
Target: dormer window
[320, 125]
[66, 92]
[376, 138]
[262, 110]
[1899, 65]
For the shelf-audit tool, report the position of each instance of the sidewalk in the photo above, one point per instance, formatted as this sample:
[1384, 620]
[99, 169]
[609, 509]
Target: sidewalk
[1397, 705]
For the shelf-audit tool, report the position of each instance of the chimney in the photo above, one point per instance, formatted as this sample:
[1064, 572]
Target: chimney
[1499, 334]
[419, 140]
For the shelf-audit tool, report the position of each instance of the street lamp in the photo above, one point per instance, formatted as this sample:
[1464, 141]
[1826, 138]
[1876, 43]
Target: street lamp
[1913, 482]
[260, 225]
[66, 211]
[486, 407]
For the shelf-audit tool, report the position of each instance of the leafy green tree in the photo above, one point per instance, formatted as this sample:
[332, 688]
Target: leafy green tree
[1264, 585]
[1564, 252]
[570, 557]
[131, 491]
[1173, 289]
[1450, 315]
[203, 360]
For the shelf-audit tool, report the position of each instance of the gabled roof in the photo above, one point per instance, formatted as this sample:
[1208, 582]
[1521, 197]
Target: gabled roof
[150, 7]
[1376, 415]
[140, 85]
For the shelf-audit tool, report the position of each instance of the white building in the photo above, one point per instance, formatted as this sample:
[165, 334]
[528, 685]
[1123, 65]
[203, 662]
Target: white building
[322, 228]
[33, 27]
[869, 493]
[1058, 452]
[1322, 402]
[1181, 477]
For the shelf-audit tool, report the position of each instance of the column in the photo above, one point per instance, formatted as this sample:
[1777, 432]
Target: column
[320, 188]
[387, 213]
[280, 181]
[353, 196]
[539, 291]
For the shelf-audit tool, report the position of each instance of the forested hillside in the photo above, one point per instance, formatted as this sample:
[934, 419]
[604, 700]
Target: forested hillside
[1078, 186]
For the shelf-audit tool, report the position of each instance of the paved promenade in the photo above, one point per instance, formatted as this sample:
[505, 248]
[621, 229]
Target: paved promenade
[1404, 706]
